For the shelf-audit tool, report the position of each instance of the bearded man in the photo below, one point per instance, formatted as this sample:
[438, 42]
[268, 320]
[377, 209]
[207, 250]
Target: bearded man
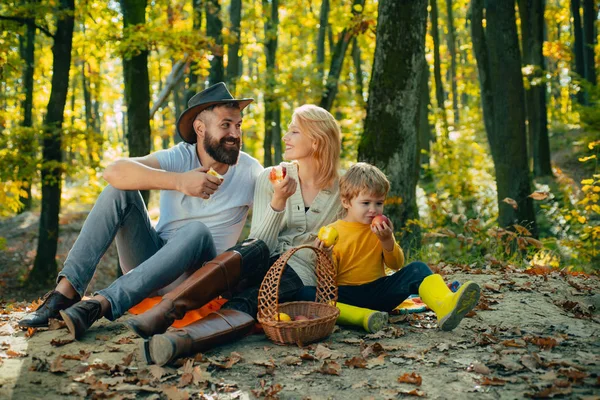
[201, 215]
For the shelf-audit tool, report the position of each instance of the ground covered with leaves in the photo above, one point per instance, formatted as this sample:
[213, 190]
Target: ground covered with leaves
[534, 334]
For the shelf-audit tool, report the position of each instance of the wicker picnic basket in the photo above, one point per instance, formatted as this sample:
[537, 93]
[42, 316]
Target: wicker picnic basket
[322, 314]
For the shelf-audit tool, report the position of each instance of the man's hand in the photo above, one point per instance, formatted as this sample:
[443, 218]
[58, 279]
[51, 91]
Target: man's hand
[283, 190]
[385, 234]
[198, 183]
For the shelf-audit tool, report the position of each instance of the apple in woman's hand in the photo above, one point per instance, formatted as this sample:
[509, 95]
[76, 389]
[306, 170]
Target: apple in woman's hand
[380, 219]
[277, 173]
[328, 235]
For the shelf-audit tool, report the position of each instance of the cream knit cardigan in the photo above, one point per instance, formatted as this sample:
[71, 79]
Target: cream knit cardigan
[293, 226]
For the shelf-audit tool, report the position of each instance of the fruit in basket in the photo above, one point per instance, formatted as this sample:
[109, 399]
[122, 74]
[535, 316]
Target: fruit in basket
[283, 317]
[328, 235]
[277, 173]
[214, 173]
[300, 318]
[380, 219]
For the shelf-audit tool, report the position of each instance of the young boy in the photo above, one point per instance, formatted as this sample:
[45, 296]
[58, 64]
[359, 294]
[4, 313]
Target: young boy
[366, 246]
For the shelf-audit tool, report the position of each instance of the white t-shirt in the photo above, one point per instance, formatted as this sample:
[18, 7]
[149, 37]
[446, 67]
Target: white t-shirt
[224, 213]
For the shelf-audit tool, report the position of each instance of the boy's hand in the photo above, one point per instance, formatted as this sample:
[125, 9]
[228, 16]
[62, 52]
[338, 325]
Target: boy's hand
[385, 234]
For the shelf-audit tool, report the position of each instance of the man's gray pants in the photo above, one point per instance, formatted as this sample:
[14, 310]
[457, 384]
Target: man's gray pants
[147, 261]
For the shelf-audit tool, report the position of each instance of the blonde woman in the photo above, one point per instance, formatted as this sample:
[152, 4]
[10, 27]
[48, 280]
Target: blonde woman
[288, 211]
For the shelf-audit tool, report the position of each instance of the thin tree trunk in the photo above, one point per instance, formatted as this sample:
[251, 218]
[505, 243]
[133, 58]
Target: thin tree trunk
[26, 145]
[214, 29]
[272, 104]
[391, 126]
[45, 268]
[356, 58]
[193, 85]
[507, 132]
[437, 64]
[452, 49]
[532, 34]
[578, 45]
[178, 101]
[424, 128]
[590, 16]
[323, 25]
[137, 87]
[337, 62]
[233, 50]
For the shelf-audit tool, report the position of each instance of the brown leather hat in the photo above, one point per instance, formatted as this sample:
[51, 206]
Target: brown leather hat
[216, 94]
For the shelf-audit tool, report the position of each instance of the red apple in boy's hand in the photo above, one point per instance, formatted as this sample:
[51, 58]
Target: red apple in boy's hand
[380, 219]
[277, 173]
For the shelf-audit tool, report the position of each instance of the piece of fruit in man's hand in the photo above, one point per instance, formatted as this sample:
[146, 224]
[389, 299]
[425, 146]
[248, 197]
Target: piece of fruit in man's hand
[215, 174]
[328, 235]
[277, 173]
[380, 219]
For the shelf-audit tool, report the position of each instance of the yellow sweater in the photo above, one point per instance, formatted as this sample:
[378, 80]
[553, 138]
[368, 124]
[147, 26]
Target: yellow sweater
[359, 256]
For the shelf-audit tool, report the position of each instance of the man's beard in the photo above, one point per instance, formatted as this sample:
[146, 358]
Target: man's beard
[218, 150]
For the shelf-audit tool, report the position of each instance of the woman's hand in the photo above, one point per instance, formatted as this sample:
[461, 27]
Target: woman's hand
[321, 246]
[282, 191]
[385, 234]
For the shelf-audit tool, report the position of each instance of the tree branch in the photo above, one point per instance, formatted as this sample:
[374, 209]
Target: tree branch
[27, 21]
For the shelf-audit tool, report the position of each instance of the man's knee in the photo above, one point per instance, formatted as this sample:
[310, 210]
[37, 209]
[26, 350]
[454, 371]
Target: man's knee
[111, 192]
[420, 268]
[195, 230]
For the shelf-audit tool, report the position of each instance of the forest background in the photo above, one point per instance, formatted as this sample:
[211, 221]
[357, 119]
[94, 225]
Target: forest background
[484, 115]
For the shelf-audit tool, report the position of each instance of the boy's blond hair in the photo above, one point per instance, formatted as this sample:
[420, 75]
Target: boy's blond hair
[363, 177]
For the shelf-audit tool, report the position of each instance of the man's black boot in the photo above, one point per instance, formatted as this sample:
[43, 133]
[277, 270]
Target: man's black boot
[81, 316]
[54, 301]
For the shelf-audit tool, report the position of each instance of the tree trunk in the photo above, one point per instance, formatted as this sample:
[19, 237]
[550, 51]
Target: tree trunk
[193, 86]
[578, 46]
[437, 64]
[137, 87]
[452, 49]
[356, 58]
[424, 128]
[272, 104]
[323, 24]
[27, 144]
[590, 16]
[391, 126]
[532, 35]
[502, 85]
[214, 29]
[337, 61]
[44, 268]
[233, 50]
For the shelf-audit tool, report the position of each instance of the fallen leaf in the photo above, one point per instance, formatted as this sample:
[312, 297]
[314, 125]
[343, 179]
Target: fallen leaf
[103, 337]
[39, 364]
[330, 368]
[30, 332]
[373, 362]
[157, 371]
[322, 352]
[514, 343]
[479, 368]
[372, 349]
[550, 391]
[413, 378]
[572, 374]
[493, 381]
[57, 366]
[228, 362]
[493, 287]
[356, 362]
[61, 342]
[128, 358]
[173, 393]
[292, 360]
[124, 340]
[413, 392]
[15, 354]
[82, 356]
[542, 342]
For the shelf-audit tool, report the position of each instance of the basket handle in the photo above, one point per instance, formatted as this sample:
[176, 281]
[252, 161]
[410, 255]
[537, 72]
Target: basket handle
[268, 294]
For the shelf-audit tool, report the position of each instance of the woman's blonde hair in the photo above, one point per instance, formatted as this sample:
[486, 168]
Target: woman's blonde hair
[363, 178]
[319, 125]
